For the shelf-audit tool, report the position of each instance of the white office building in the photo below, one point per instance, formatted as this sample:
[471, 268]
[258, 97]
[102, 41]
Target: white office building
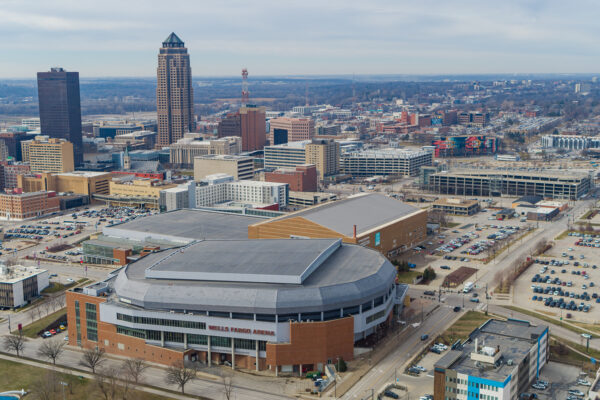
[20, 284]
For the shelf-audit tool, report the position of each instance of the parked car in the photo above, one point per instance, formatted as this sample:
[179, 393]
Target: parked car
[389, 393]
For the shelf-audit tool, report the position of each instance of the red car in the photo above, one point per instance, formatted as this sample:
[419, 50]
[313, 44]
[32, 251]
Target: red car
[52, 332]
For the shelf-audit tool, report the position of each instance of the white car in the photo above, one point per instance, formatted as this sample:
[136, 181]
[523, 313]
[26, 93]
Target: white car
[583, 382]
[70, 280]
[442, 346]
[420, 368]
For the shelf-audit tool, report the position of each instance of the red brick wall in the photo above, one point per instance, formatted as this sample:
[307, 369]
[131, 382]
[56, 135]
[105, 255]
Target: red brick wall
[314, 342]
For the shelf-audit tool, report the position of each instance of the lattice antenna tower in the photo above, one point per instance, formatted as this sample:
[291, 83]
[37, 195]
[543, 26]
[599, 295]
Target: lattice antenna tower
[245, 91]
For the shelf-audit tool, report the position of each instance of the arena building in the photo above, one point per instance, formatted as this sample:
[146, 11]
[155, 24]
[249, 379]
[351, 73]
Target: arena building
[282, 305]
[369, 219]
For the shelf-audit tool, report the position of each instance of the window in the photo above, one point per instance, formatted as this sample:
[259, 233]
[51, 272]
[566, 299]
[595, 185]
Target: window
[220, 341]
[197, 339]
[266, 317]
[246, 344]
[78, 322]
[91, 321]
[242, 316]
[219, 314]
[367, 306]
[375, 316]
[315, 316]
[287, 317]
[351, 310]
[176, 337]
[161, 322]
[378, 301]
[331, 314]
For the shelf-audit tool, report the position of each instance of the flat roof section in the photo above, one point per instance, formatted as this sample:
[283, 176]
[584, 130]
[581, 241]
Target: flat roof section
[185, 225]
[264, 261]
[366, 211]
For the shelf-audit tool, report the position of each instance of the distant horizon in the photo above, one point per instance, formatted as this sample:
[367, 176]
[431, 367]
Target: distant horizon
[506, 75]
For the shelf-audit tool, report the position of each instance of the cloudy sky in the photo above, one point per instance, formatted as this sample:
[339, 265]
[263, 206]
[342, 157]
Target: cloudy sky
[289, 37]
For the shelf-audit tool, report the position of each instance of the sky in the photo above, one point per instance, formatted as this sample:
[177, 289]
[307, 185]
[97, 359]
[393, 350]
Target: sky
[103, 38]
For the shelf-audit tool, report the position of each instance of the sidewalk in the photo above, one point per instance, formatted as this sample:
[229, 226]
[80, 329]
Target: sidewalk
[89, 376]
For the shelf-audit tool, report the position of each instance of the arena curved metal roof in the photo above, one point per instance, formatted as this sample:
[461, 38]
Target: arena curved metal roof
[330, 275]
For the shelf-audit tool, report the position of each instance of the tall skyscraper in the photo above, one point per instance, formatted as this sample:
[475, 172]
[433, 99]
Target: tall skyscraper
[174, 93]
[60, 108]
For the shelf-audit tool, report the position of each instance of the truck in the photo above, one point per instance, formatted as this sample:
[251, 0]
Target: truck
[468, 287]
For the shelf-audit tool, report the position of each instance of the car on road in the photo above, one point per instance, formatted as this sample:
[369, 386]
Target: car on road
[538, 386]
[474, 300]
[456, 309]
[424, 337]
[429, 293]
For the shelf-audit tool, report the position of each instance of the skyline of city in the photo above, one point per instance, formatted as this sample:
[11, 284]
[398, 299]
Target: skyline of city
[332, 38]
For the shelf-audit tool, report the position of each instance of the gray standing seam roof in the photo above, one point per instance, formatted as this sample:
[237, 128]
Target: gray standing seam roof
[365, 211]
[190, 225]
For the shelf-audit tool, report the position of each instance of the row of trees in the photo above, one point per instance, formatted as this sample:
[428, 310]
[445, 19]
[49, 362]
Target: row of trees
[112, 382]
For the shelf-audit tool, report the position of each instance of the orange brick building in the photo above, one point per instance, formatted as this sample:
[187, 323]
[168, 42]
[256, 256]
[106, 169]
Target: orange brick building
[18, 205]
[372, 220]
[301, 179]
[200, 303]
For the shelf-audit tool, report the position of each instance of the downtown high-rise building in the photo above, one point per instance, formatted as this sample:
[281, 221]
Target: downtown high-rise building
[60, 108]
[174, 93]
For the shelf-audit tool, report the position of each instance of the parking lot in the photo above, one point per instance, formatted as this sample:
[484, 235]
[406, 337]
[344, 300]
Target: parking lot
[564, 282]
[469, 244]
[561, 378]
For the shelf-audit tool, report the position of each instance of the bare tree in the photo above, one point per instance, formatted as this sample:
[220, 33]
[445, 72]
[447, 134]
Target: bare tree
[31, 314]
[107, 383]
[15, 343]
[180, 374]
[227, 381]
[52, 349]
[93, 358]
[134, 368]
[45, 386]
[47, 307]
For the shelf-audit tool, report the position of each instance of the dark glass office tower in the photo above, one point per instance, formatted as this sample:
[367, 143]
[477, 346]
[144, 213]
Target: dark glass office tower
[60, 108]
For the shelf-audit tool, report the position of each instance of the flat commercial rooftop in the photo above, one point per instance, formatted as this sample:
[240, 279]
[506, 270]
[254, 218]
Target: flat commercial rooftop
[366, 211]
[513, 338]
[264, 261]
[185, 225]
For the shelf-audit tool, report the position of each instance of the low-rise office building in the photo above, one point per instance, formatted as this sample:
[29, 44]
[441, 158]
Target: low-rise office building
[385, 162]
[547, 184]
[456, 206]
[19, 285]
[281, 305]
[17, 205]
[372, 220]
[185, 150]
[86, 183]
[498, 361]
[240, 167]
[303, 178]
[323, 153]
[137, 192]
[308, 199]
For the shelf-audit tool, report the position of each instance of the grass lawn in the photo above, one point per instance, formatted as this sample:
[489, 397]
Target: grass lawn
[56, 287]
[451, 224]
[408, 276]
[464, 326]
[594, 328]
[562, 235]
[16, 376]
[563, 354]
[31, 330]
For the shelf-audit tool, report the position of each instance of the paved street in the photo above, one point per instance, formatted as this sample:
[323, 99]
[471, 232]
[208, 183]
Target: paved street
[383, 373]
